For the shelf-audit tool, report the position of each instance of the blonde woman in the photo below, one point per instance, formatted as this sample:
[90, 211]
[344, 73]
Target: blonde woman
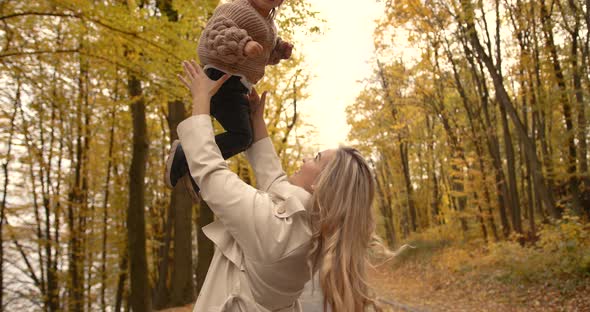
[271, 239]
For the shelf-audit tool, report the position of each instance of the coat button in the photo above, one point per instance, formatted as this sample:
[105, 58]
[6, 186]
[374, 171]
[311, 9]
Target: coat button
[281, 209]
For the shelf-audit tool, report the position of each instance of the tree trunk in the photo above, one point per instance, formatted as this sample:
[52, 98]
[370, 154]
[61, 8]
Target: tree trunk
[206, 247]
[539, 121]
[467, 105]
[182, 287]
[435, 204]
[183, 290]
[140, 297]
[511, 167]
[5, 190]
[161, 291]
[105, 217]
[566, 106]
[123, 269]
[77, 199]
[493, 144]
[581, 106]
[403, 148]
[48, 200]
[385, 203]
[403, 151]
[504, 99]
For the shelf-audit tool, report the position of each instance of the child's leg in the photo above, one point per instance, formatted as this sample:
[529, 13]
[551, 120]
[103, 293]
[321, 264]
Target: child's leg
[238, 130]
[231, 109]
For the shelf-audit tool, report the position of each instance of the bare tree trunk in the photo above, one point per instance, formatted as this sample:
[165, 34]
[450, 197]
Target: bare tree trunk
[539, 121]
[479, 150]
[403, 148]
[183, 290]
[435, 204]
[140, 297]
[48, 199]
[77, 199]
[105, 216]
[206, 247]
[504, 99]
[5, 190]
[492, 140]
[161, 291]
[581, 105]
[566, 106]
[385, 203]
[403, 151]
[512, 183]
[123, 268]
[182, 286]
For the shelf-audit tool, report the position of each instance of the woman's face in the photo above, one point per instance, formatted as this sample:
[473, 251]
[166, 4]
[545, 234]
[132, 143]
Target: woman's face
[308, 173]
[265, 5]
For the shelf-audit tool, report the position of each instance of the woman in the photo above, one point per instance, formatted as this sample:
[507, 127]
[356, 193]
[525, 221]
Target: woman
[269, 240]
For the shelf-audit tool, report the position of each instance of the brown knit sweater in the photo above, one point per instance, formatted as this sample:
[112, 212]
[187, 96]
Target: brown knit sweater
[226, 34]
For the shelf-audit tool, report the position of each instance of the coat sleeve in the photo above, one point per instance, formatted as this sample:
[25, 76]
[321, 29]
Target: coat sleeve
[266, 165]
[275, 55]
[261, 227]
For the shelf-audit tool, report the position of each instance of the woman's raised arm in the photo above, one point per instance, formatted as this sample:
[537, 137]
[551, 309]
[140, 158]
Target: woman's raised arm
[251, 217]
[262, 154]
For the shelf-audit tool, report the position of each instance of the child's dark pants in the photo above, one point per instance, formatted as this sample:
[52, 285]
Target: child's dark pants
[231, 109]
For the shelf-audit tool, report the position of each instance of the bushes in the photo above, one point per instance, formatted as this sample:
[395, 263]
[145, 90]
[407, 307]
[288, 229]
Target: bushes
[562, 252]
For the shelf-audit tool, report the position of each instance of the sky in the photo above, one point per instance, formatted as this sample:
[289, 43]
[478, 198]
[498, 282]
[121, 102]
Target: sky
[338, 59]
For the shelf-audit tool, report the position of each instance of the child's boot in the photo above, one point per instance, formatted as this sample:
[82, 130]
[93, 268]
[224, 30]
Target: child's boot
[191, 187]
[176, 165]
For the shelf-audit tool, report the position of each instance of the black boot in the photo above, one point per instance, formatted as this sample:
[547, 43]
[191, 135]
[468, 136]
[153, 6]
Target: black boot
[176, 165]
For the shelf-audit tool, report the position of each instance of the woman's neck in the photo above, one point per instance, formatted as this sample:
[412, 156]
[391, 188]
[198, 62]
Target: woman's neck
[262, 11]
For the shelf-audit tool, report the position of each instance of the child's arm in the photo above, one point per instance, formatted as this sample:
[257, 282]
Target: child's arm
[281, 51]
[226, 39]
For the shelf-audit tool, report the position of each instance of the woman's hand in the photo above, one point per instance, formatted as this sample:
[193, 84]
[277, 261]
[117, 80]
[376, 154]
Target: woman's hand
[257, 105]
[202, 88]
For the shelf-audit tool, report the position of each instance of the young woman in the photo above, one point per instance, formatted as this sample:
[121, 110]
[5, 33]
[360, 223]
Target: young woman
[270, 240]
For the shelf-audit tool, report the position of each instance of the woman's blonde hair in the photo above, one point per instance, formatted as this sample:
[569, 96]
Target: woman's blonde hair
[342, 225]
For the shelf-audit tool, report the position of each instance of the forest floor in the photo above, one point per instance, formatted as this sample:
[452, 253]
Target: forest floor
[450, 279]
[420, 285]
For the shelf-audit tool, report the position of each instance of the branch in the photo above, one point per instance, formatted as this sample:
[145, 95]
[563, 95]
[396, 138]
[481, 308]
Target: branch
[19, 14]
[21, 53]
[32, 274]
[96, 21]
[139, 74]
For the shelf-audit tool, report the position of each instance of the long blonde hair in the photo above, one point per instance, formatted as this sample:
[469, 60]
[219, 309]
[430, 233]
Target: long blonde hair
[342, 225]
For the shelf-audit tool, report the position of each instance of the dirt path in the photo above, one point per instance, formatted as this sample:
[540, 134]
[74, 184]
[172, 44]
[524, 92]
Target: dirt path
[427, 289]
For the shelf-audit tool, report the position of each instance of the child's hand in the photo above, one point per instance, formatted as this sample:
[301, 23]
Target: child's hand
[253, 49]
[286, 49]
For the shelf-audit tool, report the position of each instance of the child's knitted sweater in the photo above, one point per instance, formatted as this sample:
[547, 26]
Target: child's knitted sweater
[223, 40]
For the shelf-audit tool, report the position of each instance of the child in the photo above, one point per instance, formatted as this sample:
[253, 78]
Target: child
[240, 39]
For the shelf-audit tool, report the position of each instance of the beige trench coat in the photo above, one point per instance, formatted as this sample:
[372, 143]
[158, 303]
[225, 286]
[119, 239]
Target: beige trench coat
[262, 236]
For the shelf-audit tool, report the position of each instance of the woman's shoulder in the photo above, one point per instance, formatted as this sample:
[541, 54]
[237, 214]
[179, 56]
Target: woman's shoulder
[290, 199]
